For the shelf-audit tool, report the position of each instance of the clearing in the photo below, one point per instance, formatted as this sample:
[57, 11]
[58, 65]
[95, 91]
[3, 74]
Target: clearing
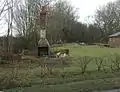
[68, 77]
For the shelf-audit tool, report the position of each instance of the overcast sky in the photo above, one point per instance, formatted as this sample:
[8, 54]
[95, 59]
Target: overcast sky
[87, 7]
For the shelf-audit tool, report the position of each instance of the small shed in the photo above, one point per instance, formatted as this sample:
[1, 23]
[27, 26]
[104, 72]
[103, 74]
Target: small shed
[114, 40]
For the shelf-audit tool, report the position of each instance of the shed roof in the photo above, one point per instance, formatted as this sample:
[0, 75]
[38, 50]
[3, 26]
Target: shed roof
[43, 43]
[115, 34]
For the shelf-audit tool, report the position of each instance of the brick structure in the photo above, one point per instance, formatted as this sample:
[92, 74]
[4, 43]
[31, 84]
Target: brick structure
[114, 40]
[43, 17]
[43, 44]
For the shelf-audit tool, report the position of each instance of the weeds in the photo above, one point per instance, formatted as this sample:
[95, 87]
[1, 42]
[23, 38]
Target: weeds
[14, 78]
[99, 62]
[83, 63]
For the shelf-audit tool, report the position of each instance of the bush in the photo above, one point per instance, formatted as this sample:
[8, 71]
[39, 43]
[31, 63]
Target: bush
[2, 62]
[10, 81]
[14, 79]
[99, 63]
[83, 62]
[116, 61]
[61, 51]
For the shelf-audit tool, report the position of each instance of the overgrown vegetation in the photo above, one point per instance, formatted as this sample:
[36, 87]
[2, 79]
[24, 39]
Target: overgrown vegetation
[83, 62]
[87, 68]
[99, 62]
[15, 78]
[83, 73]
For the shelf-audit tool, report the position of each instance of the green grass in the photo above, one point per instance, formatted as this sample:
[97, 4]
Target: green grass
[73, 80]
[77, 51]
[76, 86]
[92, 50]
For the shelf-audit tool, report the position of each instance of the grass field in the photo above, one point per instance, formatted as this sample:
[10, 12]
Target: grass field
[73, 80]
[92, 50]
[77, 51]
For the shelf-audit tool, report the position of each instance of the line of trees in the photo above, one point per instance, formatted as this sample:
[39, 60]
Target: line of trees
[62, 24]
[24, 18]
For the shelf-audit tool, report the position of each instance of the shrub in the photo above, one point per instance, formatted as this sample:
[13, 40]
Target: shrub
[116, 61]
[61, 51]
[99, 62]
[83, 62]
[14, 79]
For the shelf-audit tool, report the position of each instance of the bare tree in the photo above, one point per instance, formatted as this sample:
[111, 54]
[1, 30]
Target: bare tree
[9, 20]
[27, 19]
[116, 61]
[3, 8]
[107, 19]
[63, 16]
[99, 63]
[83, 62]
